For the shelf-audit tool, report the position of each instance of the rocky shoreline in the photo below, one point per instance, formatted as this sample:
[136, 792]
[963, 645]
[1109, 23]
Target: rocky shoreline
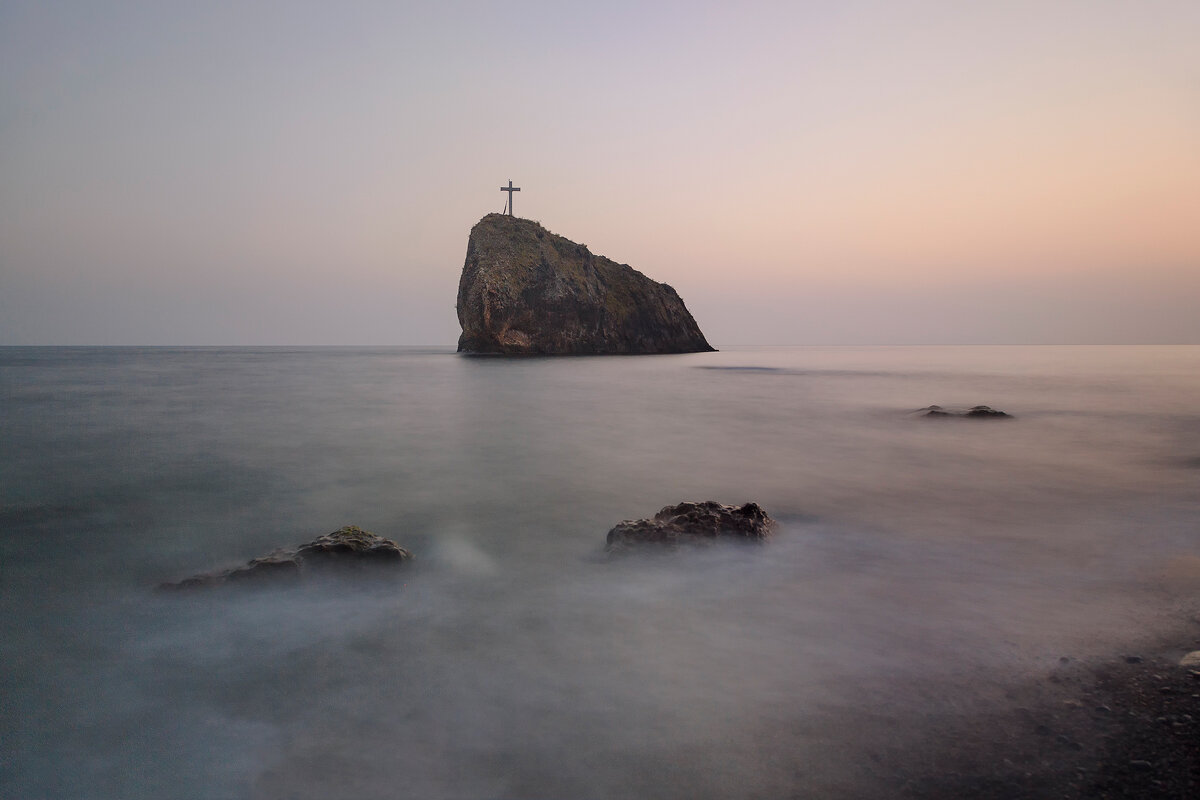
[1123, 726]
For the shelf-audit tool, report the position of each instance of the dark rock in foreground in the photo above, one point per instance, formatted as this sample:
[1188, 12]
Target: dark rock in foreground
[348, 546]
[976, 412]
[526, 291]
[693, 524]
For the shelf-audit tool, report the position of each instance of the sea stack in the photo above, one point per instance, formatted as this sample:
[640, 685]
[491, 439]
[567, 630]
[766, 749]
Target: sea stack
[526, 291]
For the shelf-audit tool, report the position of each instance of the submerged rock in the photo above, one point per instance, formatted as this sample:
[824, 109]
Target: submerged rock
[693, 524]
[349, 545]
[526, 291]
[975, 412]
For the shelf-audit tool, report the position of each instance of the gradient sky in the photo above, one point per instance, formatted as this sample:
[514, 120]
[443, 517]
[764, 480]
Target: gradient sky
[801, 172]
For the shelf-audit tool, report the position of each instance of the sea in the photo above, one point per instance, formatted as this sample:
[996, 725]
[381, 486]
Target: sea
[922, 568]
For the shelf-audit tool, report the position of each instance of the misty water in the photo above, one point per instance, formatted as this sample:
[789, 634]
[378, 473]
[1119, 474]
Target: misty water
[921, 568]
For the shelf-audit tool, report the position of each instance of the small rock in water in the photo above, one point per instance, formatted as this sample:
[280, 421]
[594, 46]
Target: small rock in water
[345, 546]
[280, 562]
[975, 412]
[691, 523]
[1192, 659]
[351, 542]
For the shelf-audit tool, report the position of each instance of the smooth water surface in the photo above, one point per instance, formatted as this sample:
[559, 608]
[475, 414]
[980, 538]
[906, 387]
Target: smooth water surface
[920, 567]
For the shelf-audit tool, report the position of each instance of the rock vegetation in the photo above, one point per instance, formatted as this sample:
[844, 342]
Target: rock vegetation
[691, 523]
[347, 546]
[526, 291]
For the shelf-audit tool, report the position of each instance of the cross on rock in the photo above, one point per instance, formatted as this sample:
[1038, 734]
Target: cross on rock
[510, 189]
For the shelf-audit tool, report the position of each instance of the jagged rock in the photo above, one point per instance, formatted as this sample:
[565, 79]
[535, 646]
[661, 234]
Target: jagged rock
[351, 542]
[349, 545]
[976, 412]
[693, 524]
[525, 290]
[280, 563]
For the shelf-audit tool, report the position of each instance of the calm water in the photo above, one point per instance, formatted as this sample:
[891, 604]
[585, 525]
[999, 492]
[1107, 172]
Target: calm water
[922, 566]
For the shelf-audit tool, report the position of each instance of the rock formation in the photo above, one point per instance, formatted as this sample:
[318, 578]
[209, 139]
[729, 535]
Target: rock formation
[350, 545]
[693, 524]
[976, 412]
[525, 290]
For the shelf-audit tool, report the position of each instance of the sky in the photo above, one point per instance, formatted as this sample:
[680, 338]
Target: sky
[855, 172]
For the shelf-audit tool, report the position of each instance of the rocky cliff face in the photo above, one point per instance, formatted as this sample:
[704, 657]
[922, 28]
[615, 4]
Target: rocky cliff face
[525, 290]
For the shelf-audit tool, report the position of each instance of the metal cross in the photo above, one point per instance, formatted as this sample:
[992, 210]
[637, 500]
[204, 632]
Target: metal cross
[510, 189]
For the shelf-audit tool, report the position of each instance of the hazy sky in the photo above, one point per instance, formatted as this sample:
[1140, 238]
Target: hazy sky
[801, 172]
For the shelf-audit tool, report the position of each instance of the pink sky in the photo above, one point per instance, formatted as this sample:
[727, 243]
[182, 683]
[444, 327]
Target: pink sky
[871, 172]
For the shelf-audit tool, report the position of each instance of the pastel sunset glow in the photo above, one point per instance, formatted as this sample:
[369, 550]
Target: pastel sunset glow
[802, 173]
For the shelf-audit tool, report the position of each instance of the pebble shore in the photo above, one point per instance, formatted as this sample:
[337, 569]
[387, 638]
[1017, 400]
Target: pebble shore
[1123, 726]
